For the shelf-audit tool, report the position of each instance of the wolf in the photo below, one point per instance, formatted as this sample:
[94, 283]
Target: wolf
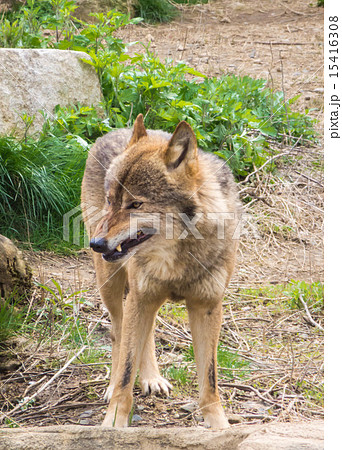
[167, 231]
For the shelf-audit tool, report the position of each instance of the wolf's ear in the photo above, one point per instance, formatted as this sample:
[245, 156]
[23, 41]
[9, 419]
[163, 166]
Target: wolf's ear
[139, 130]
[182, 146]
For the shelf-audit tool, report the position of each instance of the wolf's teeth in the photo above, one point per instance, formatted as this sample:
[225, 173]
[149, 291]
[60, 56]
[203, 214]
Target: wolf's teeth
[118, 248]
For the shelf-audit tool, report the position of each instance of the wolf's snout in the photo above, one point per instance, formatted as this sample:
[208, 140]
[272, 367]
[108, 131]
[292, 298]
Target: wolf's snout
[99, 245]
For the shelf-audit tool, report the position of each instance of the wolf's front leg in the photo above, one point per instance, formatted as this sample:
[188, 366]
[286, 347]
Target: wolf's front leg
[138, 319]
[151, 382]
[205, 322]
[111, 282]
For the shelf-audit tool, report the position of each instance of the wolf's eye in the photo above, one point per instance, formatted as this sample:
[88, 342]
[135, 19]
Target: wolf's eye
[135, 205]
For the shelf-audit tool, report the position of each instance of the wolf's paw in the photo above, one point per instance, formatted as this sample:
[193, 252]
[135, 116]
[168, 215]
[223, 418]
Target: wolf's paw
[109, 393]
[216, 421]
[155, 385]
[115, 418]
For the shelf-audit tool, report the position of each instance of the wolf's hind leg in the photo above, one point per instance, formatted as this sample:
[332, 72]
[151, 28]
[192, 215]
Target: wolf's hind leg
[205, 324]
[111, 282]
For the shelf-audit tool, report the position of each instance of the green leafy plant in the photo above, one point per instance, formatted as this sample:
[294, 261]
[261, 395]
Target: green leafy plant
[289, 295]
[160, 10]
[24, 28]
[83, 123]
[60, 298]
[97, 36]
[179, 375]
[312, 294]
[11, 423]
[61, 20]
[11, 33]
[232, 116]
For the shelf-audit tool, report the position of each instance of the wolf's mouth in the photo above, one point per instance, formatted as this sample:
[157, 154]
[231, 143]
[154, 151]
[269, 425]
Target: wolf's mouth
[122, 249]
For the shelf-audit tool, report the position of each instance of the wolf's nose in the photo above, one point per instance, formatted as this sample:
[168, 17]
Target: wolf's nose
[98, 245]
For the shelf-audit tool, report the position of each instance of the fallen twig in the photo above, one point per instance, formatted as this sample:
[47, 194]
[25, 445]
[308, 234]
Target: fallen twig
[310, 319]
[308, 178]
[283, 43]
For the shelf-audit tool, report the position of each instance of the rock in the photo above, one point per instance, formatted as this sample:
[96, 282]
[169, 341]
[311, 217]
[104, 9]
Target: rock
[89, 438]
[15, 274]
[86, 414]
[234, 418]
[84, 422]
[276, 436]
[39, 79]
[286, 436]
[190, 407]
[136, 418]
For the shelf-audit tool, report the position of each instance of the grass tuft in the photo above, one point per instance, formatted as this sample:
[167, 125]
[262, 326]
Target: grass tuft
[11, 318]
[156, 11]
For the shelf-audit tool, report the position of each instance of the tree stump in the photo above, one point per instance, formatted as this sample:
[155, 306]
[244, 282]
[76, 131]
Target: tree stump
[15, 274]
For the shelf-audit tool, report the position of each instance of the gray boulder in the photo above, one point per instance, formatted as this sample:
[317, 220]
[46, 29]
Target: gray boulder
[39, 79]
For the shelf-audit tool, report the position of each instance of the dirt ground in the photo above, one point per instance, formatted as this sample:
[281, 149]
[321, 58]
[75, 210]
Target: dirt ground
[281, 41]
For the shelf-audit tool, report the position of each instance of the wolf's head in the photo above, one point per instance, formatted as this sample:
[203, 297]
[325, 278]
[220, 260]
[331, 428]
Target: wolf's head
[148, 188]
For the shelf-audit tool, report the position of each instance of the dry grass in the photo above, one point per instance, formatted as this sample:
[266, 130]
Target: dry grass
[283, 234]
